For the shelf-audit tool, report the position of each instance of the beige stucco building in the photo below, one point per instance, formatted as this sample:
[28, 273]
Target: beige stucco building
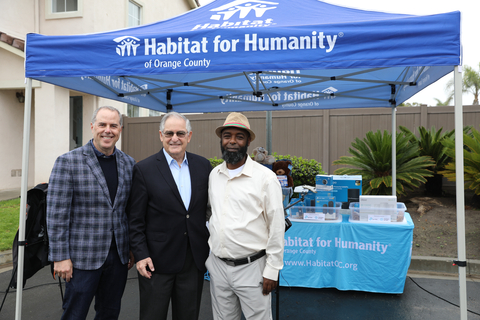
[60, 117]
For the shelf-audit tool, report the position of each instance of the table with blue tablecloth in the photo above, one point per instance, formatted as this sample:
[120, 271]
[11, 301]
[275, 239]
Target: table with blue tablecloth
[346, 255]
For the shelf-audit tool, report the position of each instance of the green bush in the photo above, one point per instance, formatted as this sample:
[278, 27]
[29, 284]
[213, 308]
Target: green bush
[8, 222]
[215, 162]
[303, 170]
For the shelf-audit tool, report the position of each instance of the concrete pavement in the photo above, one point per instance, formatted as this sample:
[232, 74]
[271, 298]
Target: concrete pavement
[41, 297]
[8, 194]
[424, 298]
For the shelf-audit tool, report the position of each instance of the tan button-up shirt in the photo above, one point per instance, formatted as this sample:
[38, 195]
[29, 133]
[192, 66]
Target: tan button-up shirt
[247, 215]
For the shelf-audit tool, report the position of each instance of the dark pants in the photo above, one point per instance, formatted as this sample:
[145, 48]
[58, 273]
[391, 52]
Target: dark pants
[183, 288]
[106, 284]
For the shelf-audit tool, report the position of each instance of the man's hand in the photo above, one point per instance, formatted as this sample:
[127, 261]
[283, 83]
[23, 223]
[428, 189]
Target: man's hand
[268, 286]
[131, 260]
[145, 267]
[64, 269]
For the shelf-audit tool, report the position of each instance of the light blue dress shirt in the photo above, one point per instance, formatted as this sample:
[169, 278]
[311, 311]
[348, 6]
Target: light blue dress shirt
[181, 175]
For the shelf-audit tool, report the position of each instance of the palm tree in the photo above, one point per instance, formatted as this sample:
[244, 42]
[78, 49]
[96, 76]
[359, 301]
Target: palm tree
[470, 83]
[430, 144]
[372, 159]
[471, 155]
[444, 103]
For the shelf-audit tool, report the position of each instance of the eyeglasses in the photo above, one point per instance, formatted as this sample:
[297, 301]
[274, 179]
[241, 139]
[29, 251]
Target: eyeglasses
[170, 134]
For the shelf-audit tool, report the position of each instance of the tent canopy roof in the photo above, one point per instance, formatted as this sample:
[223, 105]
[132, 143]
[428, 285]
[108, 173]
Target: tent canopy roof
[256, 55]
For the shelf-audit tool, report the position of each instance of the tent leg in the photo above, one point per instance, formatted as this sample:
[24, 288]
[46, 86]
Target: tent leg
[460, 191]
[23, 196]
[394, 151]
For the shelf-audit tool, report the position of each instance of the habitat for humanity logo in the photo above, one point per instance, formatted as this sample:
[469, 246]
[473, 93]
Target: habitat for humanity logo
[244, 8]
[329, 90]
[127, 45]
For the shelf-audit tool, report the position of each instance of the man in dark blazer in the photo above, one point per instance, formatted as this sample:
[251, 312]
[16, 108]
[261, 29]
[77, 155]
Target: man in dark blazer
[86, 220]
[167, 214]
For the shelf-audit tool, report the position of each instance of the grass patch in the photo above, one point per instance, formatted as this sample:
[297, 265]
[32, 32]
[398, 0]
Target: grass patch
[9, 211]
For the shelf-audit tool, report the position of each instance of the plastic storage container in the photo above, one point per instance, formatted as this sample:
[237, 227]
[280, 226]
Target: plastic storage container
[377, 214]
[316, 214]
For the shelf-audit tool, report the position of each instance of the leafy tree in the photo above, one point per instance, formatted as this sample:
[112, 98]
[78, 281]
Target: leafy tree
[408, 104]
[470, 83]
[372, 159]
[471, 154]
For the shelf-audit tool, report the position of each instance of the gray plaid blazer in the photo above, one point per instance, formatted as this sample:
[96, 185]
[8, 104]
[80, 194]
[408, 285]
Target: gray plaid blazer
[81, 219]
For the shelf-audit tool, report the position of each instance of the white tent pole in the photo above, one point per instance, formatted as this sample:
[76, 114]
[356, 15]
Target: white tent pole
[23, 196]
[394, 151]
[462, 272]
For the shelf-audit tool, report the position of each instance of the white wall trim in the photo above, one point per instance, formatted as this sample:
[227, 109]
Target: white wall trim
[18, 84]
[11, 49]
[62, 15]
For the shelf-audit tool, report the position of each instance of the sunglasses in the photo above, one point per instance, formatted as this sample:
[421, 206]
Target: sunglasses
[170, 134]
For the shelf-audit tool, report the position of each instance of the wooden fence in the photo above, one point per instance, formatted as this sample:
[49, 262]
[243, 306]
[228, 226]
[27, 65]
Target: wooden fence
[323, 135]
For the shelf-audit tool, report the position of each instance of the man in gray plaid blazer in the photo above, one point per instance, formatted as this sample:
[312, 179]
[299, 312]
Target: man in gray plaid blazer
[86, 220]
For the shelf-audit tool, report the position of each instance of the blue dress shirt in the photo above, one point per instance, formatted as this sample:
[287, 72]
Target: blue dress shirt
[181, 175]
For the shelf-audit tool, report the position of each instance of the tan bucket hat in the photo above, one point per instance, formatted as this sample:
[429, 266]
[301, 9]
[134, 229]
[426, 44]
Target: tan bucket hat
[236, 120]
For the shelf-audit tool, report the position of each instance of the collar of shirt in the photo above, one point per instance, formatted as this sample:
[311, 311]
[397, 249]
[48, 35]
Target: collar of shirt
[99, 154]
[174, 162]
[247, 168]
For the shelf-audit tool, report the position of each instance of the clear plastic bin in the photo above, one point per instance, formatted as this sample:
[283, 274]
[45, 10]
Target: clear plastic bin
[316, 214]
[377, 214]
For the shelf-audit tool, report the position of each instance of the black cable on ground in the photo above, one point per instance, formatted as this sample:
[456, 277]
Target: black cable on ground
[433, 294]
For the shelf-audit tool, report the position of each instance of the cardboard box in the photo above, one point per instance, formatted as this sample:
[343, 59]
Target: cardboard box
[309, 199]
[283, 180]
[347, 189]
[324, 182]
[324, 201]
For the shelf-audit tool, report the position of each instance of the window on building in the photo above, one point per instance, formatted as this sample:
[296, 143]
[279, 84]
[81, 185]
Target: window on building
[76, 122]
[134, 14]
[154, 113]
[61, 9]
[133, 111]
[64, 5]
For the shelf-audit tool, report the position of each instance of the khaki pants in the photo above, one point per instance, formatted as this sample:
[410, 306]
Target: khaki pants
[238, 289]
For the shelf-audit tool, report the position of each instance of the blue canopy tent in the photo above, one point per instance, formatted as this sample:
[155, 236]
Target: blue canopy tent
[253, 55]
[290, 54]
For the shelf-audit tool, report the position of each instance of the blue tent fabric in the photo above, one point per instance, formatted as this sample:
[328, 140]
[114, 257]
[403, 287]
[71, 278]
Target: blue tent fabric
[256, 55]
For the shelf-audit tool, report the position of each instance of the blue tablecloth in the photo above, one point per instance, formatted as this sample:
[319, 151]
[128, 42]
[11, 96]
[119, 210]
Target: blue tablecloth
[369, 257]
